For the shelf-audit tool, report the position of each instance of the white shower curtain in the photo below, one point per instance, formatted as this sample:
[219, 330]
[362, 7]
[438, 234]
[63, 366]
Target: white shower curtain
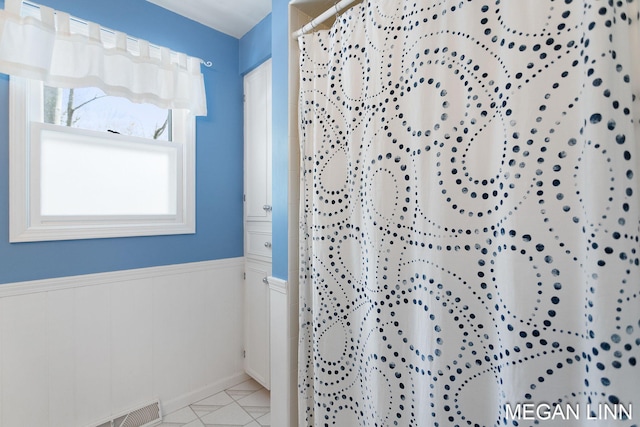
[470, 215]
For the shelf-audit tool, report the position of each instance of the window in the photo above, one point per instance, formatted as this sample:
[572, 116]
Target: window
[86, 165]
[90, 108]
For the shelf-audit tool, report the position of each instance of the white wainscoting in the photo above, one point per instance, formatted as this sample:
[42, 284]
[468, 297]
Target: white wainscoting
[284, 353]
[77, 350]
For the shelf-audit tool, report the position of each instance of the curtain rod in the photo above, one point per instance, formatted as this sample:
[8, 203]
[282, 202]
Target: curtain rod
[334, 11]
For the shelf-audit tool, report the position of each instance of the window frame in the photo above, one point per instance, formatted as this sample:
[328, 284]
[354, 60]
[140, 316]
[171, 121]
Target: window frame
[28, 225]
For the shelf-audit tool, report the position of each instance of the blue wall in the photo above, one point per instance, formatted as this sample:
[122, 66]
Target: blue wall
[280, 60]
[255, 46]
[219, 158]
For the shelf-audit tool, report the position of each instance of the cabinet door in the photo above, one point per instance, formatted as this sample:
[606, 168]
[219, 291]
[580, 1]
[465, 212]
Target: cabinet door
[256, 334]
[257, 143]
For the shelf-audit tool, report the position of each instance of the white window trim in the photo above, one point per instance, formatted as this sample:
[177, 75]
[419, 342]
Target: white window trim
[26, 225]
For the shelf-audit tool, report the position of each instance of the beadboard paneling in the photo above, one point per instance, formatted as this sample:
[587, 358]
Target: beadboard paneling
[75, 351]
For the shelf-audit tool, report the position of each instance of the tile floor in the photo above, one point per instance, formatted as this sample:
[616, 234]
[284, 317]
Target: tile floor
[246, 404]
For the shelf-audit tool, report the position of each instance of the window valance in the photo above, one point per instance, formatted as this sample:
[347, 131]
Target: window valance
[66, 52]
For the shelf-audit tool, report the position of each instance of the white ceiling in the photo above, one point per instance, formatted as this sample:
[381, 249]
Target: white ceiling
[233, 17]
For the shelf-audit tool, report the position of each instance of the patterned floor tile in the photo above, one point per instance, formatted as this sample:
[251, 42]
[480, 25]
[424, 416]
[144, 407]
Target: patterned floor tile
[231, 414]
[246, 404]
[220, 399]
[250, 384]
[204, 413]
[265, 420]
[257, 398]
[239, 394]
[243, 389]
[183, 416]
[257, 411]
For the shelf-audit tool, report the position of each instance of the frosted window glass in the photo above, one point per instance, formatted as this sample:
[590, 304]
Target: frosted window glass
[86, 175]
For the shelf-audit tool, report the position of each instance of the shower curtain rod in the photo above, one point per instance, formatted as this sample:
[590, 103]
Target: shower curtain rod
[335, 10]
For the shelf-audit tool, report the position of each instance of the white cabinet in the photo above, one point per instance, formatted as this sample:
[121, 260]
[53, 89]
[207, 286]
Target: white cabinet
[257, 145]
[256, 341]
[257, 221]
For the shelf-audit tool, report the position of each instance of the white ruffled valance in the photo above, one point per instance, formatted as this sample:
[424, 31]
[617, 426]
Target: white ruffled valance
[48, 48]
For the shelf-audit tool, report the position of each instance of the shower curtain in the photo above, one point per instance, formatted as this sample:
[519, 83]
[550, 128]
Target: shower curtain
[470, 216]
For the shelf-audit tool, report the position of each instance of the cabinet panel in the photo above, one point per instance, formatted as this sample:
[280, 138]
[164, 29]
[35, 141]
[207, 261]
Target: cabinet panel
[257, 361]
[257, 135]
[259, 245]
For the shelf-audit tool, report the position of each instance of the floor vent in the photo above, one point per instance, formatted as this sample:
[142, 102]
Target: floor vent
[146, 416]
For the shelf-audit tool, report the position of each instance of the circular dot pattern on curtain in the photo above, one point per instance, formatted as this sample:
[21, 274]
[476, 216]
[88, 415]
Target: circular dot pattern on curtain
[470, 214]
